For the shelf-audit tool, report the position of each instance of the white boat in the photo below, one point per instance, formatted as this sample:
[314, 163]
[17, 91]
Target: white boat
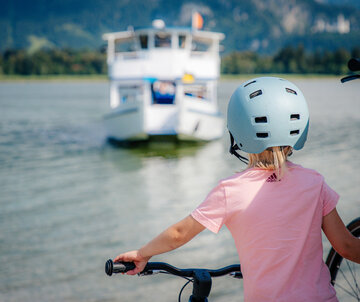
[163, 82]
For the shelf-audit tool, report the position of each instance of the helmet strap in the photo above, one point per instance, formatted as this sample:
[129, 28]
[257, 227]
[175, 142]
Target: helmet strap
[234, 148]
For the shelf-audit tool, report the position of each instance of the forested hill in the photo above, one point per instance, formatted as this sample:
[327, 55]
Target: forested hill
[263, 26]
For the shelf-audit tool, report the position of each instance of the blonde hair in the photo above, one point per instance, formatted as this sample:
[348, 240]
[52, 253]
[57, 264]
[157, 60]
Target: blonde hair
[273, 158]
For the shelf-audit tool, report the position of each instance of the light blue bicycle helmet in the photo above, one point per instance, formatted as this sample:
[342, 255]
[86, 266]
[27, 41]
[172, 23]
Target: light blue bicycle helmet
[267, 112]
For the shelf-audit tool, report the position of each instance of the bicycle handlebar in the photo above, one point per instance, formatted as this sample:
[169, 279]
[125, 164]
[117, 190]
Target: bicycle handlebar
[123, 267]
[200, 278]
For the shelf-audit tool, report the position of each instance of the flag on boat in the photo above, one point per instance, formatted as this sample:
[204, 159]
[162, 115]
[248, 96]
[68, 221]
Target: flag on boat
[197, 21]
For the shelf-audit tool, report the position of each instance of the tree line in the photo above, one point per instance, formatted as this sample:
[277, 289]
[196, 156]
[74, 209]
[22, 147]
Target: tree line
[53, 62]
[289, 59]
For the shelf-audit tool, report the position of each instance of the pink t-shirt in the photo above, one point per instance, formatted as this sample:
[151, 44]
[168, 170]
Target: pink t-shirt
[276, 226]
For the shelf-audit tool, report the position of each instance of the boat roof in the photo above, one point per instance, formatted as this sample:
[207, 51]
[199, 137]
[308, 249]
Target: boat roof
[122, 35]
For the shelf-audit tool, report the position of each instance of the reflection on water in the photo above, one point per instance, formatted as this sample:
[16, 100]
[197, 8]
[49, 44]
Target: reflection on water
[69, 200]
[166, 147]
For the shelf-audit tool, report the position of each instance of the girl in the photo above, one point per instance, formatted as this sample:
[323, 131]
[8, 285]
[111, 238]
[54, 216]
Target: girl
[275, 210]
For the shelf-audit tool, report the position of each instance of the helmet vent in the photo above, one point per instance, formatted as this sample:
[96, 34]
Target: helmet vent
[291, 91]
[252, 82]
[261, 119]
[294, 117]
[262, 134]
[294, 132]
[255, 94]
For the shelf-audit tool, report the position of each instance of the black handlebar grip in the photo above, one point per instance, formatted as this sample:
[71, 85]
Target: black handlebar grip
[121, 267]
[354, 64]
[109, 265]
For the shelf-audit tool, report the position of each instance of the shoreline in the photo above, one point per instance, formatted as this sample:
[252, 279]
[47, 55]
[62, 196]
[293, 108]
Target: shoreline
[54, 78]
[104, 78]
[289, 76]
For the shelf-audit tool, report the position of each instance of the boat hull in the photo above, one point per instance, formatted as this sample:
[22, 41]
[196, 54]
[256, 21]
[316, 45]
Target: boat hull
[188, 124]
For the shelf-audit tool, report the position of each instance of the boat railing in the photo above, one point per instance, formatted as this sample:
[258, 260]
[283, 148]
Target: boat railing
[127, 55]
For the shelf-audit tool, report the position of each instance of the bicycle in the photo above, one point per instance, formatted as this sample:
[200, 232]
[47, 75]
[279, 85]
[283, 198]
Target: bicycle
[345, 275]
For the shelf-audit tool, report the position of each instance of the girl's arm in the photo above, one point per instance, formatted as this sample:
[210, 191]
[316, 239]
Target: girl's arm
[340, 238]
[172, 238]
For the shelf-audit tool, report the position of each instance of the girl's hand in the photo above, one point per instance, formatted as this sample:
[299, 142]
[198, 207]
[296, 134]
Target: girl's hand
[172, 238]
[133, 256]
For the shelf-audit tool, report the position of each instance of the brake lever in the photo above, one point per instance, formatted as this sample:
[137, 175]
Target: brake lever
[236, 275]
[150, 272]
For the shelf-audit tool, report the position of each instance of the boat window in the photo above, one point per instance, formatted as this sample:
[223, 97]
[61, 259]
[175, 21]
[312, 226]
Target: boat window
[201, 45]
[163, 40]
[144, 41]
[163, 92]
[128, 94]
[182, 39]
[125, 46]
[198, 91]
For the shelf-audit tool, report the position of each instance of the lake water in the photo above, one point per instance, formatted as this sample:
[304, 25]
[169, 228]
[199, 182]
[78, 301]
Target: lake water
[69, 200]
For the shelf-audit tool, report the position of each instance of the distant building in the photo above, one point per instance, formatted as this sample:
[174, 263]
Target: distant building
[341, 25]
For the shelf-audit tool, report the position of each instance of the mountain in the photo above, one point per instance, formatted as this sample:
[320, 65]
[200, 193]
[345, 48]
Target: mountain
[350, 3]
[263, 26]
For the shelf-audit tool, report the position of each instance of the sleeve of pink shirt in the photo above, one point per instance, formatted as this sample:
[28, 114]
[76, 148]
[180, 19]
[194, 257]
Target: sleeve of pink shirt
[329, 198]
[211, 213]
